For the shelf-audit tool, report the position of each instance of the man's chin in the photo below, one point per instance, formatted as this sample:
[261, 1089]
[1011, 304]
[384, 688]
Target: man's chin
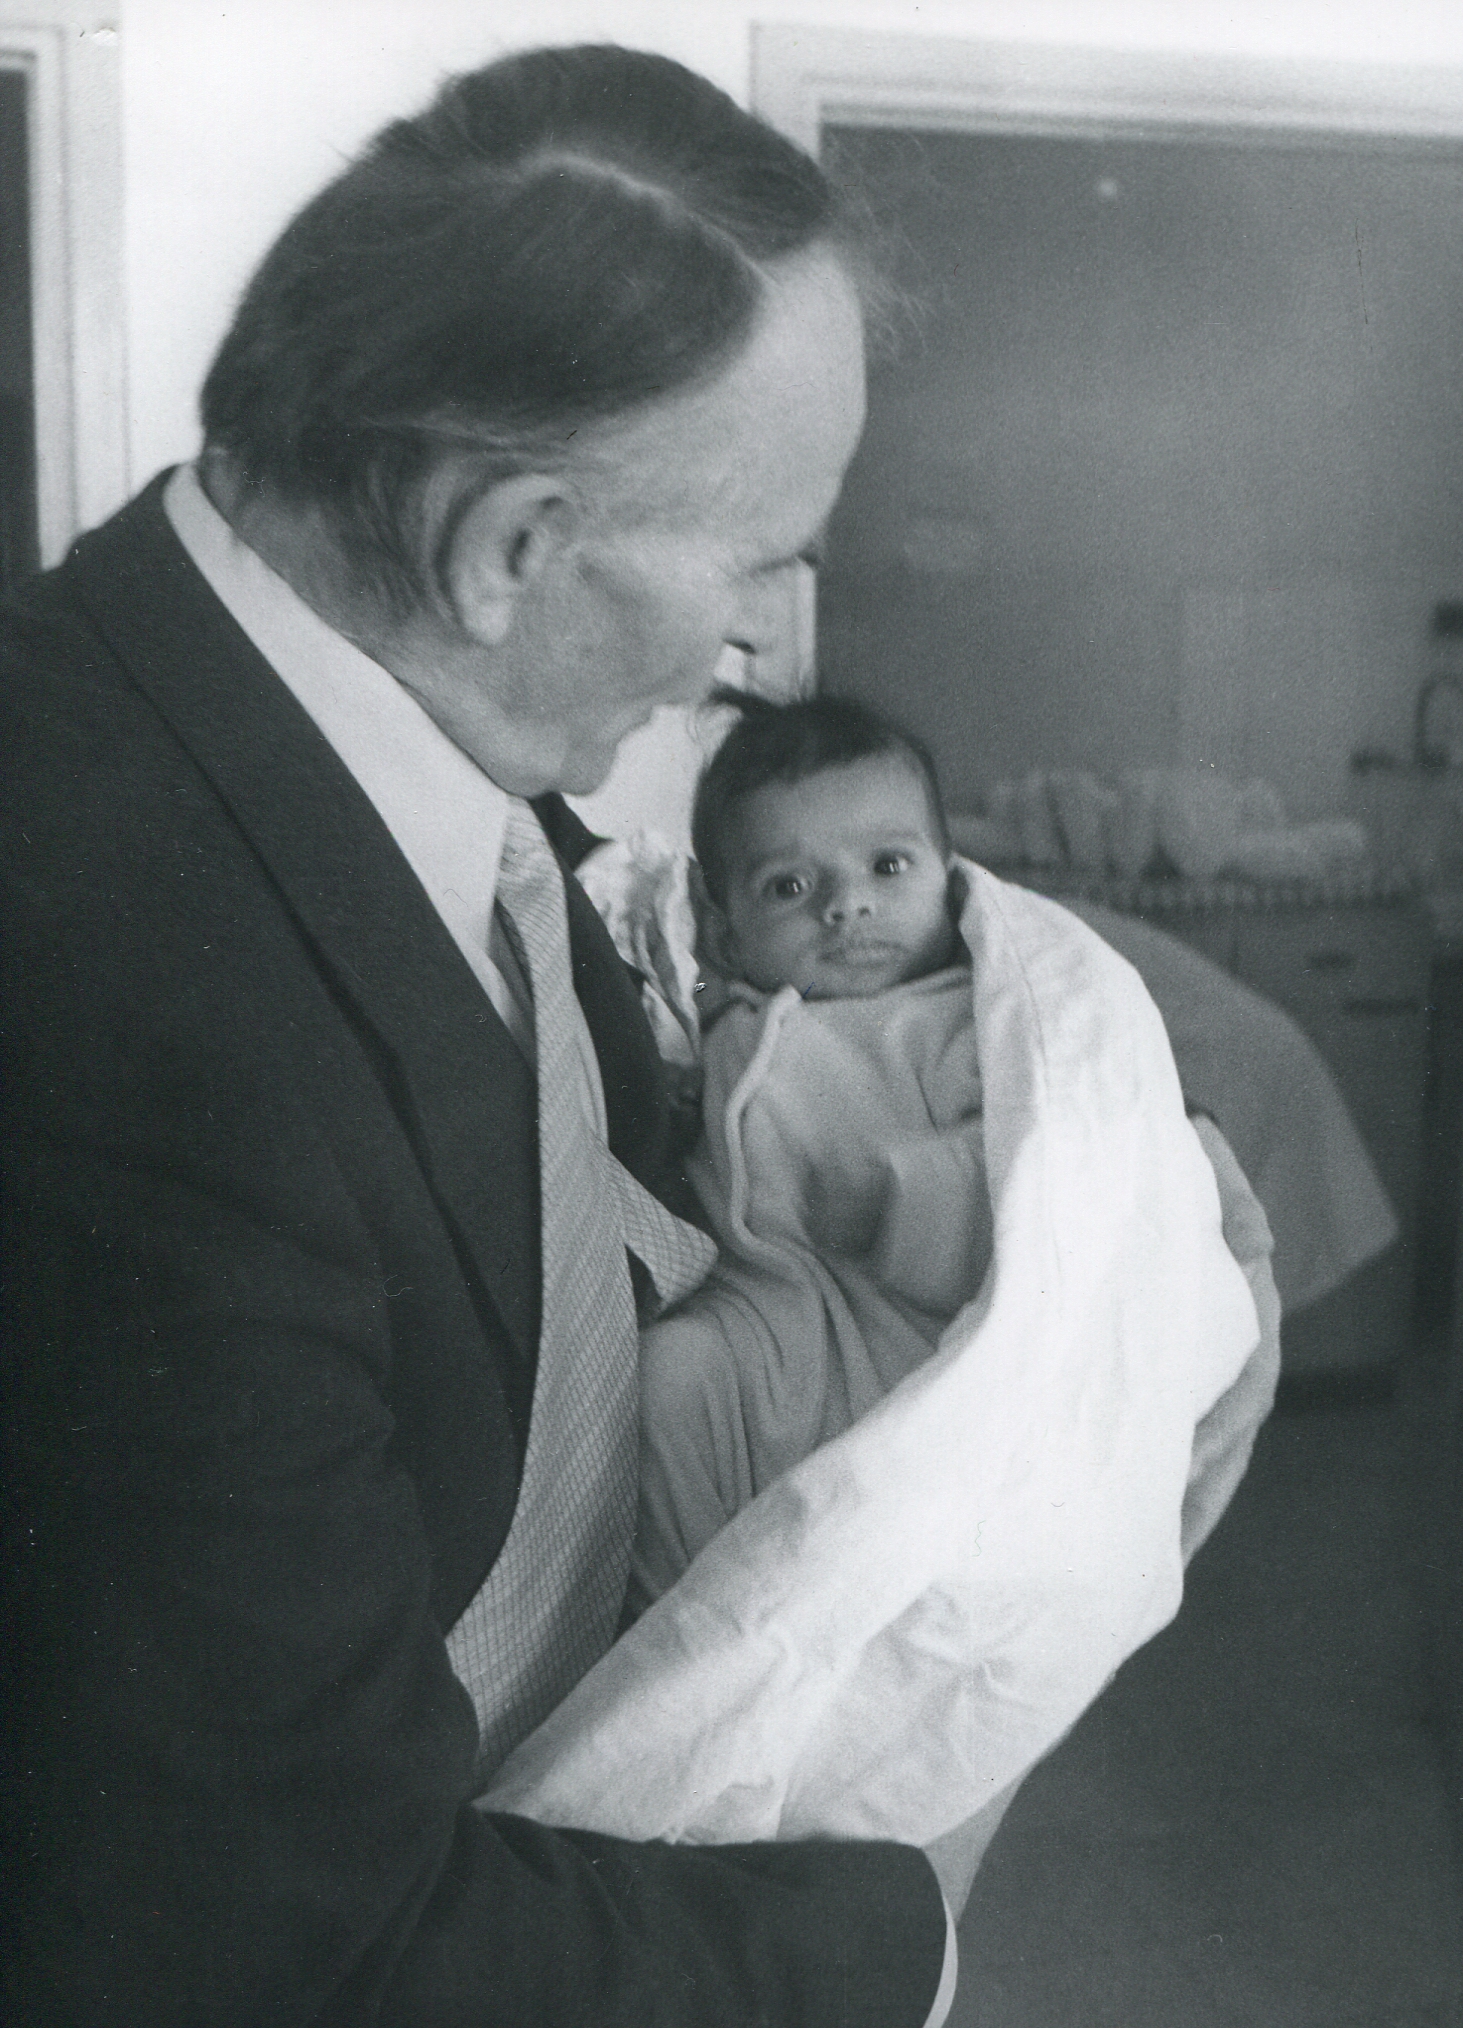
[577, 772]
[583, 776]
[585, 769]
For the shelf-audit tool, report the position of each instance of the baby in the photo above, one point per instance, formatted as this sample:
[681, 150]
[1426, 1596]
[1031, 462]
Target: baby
[829, 911]
[980, 1362]
[824, 851]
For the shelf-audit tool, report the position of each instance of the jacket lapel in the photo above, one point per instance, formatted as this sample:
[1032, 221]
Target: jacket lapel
[470, 1094]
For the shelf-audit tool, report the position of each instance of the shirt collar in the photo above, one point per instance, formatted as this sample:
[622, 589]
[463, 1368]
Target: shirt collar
[445, 814]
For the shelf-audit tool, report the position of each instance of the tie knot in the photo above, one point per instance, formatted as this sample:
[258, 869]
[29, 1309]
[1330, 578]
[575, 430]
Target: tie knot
[530, 886]
[524, 843]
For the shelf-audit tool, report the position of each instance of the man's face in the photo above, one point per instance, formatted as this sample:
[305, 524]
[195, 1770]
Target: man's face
[838, 884]
[704, 509]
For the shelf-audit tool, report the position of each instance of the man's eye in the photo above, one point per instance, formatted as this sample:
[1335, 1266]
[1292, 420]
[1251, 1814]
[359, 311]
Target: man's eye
[889, 863]
[786, 887]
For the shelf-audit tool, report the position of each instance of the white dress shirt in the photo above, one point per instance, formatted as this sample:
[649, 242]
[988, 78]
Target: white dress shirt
[442, 810]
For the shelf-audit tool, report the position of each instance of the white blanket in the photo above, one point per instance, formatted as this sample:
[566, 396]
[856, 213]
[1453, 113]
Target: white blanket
[1245, 1061]
[896, 1630]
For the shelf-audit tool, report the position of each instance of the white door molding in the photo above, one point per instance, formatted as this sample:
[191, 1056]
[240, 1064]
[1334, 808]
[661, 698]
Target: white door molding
[804, 79]
[69, 57]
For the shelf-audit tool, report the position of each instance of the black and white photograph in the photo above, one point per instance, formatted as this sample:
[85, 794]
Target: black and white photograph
[732, 1033]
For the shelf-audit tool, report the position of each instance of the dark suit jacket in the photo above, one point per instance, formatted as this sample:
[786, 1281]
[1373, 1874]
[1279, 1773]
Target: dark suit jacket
[272, 1271]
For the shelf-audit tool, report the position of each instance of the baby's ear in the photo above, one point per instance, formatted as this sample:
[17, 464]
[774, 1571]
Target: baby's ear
[713, 931]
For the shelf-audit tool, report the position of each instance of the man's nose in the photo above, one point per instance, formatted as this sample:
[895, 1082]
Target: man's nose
[775, 633]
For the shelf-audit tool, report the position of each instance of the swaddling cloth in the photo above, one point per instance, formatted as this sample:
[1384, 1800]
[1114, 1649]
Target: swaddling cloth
[843, 1171]
[899, 1626]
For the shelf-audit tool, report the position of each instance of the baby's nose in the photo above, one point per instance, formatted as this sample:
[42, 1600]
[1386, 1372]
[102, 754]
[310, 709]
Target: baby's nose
[846, 898]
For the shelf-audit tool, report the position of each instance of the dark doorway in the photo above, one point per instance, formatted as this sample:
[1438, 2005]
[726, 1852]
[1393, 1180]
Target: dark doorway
[1168, 472]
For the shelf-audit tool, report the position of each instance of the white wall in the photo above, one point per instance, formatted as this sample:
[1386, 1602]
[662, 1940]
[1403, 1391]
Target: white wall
[233, 114]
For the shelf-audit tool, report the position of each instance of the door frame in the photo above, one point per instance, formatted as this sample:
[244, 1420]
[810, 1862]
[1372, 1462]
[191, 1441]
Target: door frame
[806, 78]
[70, 58]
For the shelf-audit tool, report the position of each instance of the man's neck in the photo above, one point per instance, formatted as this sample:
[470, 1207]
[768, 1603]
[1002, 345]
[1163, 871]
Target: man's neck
[297, 547]
[458, 680]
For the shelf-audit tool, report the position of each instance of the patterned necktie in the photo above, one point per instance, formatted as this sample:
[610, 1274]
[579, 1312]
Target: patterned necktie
[551, 1603]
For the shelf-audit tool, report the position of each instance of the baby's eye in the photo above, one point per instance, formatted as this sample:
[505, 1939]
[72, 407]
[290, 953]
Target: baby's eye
[786, 887]
[888, 864]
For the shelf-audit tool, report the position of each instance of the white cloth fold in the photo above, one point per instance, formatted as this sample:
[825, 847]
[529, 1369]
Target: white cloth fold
[895, 1630]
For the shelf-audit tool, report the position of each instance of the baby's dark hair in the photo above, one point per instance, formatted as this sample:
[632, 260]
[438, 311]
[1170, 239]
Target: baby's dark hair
[788, 743]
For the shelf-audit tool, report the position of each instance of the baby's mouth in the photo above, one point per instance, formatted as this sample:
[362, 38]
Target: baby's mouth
[862, 953]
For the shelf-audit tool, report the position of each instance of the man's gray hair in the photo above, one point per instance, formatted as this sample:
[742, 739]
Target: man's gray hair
[559, 239]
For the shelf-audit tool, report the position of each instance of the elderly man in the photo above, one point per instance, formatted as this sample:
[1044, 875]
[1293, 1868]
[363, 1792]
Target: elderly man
[330, 1198]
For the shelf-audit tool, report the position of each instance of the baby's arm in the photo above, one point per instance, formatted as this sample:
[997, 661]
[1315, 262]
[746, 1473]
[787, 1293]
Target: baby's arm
[695, 1472]
[733, 1392]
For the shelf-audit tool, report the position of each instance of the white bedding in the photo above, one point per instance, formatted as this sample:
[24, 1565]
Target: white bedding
[1247, 1063]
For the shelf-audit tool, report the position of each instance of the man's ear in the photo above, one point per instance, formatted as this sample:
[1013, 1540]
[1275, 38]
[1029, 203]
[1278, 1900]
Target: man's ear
[502, 546]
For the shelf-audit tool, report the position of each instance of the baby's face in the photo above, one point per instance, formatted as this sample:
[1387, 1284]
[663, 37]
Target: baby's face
[837, 884]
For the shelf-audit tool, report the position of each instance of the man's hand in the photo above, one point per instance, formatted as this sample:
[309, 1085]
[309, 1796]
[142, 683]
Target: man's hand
[956, 1857]
[1225, 1437]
